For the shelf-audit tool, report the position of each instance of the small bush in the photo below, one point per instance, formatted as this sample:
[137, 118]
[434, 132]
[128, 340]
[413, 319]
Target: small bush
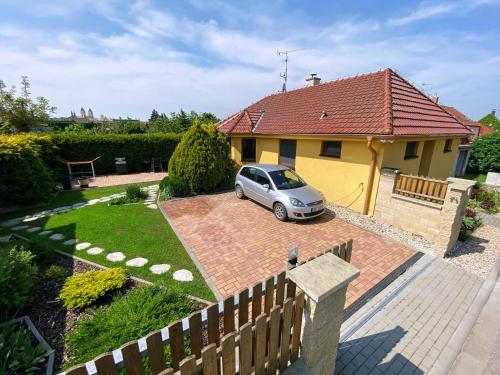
[55, 272]
[469, 212]
[17, 276]
[129, 317]
[84, 289]
[173, 187]
[18, 354]
[485, 155]
[135, 192]
[488, 204]
[202, 159]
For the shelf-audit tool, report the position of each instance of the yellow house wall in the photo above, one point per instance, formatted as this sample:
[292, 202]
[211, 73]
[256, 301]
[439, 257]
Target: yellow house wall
[343, 181]
[441, 165]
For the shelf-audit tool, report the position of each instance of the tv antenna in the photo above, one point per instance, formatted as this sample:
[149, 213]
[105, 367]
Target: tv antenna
[285, 74]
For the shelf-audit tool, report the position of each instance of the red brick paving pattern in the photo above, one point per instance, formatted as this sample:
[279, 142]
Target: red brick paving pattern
[239, 242]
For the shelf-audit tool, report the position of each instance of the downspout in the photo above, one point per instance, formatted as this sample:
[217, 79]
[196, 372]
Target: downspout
[371, 175]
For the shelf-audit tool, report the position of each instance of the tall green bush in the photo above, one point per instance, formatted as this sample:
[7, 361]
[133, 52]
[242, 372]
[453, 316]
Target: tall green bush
[25, 177]
[136, 148]
[485, 154]
[202, 159]
[17, 277]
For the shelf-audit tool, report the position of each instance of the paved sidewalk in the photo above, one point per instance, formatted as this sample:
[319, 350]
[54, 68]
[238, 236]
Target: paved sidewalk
[121, 179]
[488, 219]
[239, 243]
[410, 331]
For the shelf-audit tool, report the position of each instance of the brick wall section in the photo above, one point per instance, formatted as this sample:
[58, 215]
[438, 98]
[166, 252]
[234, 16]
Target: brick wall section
[439, 223]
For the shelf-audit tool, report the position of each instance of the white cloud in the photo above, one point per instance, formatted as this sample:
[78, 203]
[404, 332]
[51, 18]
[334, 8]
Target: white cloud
[422, 13]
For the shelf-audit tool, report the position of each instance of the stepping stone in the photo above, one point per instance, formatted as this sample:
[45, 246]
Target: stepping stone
[95, 250]
[64, 211]
[33, 229]
[20, 227]
[63, 208]
[78, 205]
[158, 269]
[10, 223]
[82, 246]
[153, 206]
[92, 202]
[71, 241]
[32, 218]
[183, 275]
[136, 262]
[115, 257]
[105, 199]
[57, 237]
[45, 233]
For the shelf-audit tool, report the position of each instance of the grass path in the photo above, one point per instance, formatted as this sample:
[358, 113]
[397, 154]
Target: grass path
[134, 230]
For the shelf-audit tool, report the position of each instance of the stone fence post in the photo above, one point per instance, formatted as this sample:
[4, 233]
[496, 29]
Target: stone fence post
[324, 281]
[453, 210]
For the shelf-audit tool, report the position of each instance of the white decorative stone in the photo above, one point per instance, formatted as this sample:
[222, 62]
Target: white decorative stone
[20, 227]
[115, 257]
[63, 208]
[31, 218]
[95, 250]
[153, 206]
[183, 275]
[136, 262]
[57, 237]
[158, 269]
[33, 229]
[92, 202]
[78, 205]
[71, 241]
[82, 246]
[45, 233]
[105, 199]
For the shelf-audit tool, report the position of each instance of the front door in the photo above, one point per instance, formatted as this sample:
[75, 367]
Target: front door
[288, 151]
[425, 160]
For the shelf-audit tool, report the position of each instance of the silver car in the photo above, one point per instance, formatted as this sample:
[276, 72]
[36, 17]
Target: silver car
[280, 189]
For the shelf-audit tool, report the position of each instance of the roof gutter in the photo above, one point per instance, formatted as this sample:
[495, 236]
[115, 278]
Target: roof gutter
[371, 175]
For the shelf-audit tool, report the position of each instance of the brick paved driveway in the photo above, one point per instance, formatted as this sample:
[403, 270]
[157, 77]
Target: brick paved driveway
[239, 242]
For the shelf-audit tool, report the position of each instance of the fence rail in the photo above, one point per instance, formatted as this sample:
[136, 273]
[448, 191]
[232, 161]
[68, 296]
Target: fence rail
[256, 331]
[423, 188]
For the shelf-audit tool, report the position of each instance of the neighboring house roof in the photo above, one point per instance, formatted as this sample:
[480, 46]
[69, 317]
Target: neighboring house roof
[474, 125]
[379, 103]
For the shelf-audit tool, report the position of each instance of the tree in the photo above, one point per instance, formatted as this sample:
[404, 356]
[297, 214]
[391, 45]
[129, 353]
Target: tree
[208, 118]
[491, 121]
[202, 159]
[154, 116]
[485, 154]
[164, 125]
[22, 113]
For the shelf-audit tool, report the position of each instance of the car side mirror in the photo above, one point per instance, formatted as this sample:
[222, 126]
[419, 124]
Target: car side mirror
[266, 186]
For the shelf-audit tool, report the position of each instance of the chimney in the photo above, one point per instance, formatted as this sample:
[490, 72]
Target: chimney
[435, 99]
[312, 80]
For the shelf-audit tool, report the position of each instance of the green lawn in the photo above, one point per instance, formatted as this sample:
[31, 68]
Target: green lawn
[134, 229]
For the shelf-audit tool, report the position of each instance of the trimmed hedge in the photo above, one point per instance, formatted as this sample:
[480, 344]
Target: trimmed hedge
[136, 148]
[25, 177]
[485, 154]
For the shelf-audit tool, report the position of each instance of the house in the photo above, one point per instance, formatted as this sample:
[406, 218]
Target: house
[338, 135]
[477, 128]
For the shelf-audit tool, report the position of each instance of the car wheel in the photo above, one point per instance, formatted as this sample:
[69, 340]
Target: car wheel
[280, 212]
[239, 192]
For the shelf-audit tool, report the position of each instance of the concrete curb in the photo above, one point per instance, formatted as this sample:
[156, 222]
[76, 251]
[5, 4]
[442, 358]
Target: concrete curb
[204, 273]
[447, 358]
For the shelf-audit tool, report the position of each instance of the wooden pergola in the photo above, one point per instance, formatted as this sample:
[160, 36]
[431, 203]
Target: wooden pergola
[81, 162]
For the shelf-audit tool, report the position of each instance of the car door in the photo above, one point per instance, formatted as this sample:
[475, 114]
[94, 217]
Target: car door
[248, 182]
[263, 188]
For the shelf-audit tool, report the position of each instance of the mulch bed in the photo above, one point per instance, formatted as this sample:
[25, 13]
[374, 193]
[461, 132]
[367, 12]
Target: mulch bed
[47, 312]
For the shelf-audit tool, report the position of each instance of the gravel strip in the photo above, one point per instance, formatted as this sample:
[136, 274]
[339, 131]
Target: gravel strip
[479, 252]
[383, 229]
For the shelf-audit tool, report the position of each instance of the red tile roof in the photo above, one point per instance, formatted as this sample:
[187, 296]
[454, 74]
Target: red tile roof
[380, 103]
[482, 129]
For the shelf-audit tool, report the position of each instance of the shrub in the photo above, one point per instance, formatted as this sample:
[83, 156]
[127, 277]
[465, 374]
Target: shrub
[17, 276]
[86, 288]
[173, 186]
[18, 354]
[136, 148]
[129, 317]
[469, 212]
[24, 175]
[485, 154]
[135, 192]
[202, 159]
[488, 204]
[55, 272]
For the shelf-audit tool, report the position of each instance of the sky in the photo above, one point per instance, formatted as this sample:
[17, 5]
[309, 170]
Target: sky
[124, 58]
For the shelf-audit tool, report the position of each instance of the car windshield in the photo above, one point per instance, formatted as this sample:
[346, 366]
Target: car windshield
[286, 179]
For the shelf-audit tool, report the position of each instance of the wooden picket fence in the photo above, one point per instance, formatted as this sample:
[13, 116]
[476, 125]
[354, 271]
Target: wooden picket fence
[254, 332]
[423, 188]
